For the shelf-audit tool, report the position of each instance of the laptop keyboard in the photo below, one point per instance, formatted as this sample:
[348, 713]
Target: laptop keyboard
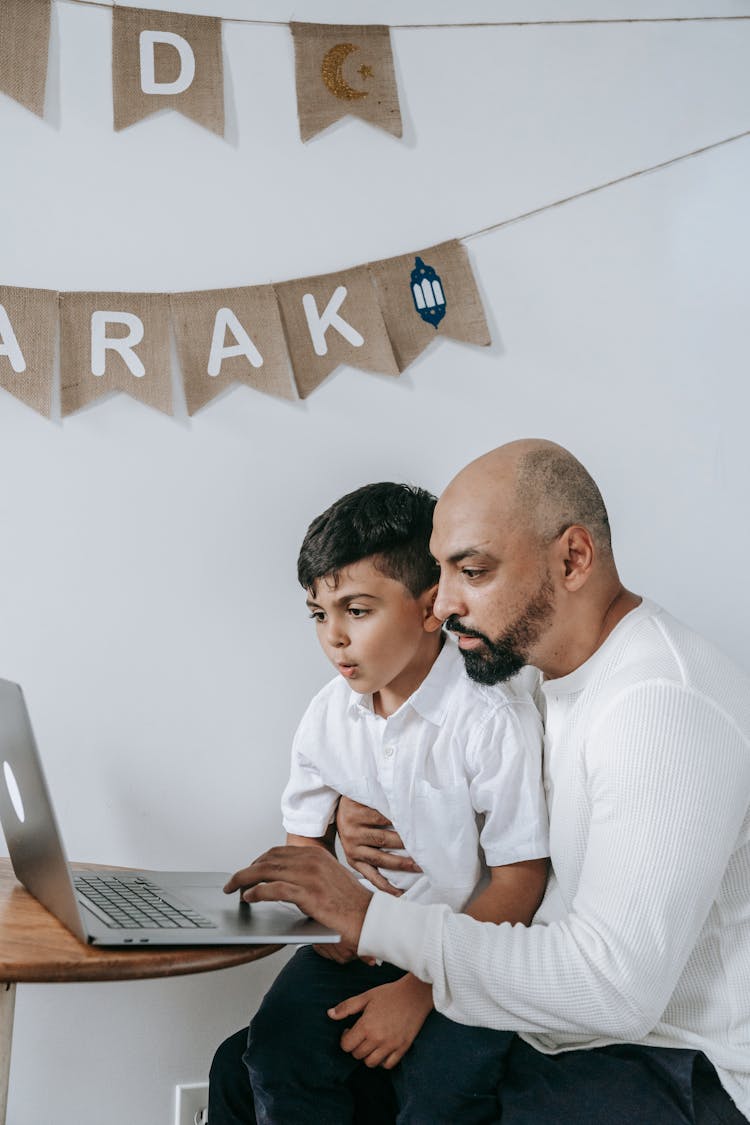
[136, 903]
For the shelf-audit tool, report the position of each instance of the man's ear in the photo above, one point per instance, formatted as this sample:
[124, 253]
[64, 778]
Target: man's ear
[431, 623]
[576, 556]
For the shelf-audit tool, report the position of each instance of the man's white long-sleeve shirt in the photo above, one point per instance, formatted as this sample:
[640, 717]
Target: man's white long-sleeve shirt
[647, 771]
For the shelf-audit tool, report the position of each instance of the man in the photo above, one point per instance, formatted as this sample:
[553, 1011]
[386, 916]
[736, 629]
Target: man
[632, 1001]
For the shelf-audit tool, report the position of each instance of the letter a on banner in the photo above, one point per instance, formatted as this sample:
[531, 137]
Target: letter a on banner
[115, 342]
[227, 336]
[167, 60]
[28, 326]
[334, 319]
[24, 47]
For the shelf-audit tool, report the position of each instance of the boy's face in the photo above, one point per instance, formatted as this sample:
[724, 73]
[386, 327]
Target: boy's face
[372, 629]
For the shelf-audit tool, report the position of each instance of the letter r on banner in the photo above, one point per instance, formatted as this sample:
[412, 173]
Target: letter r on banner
[225, 318]
[147, 42]
[124, 345]
[9, 344]
[319, 325]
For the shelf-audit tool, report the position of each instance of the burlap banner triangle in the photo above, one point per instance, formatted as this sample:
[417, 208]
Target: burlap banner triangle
[344, 69]
[115, 342]
[428, 294]
[334, 319]
[28, 325]
[227, 336]
[24, 48]
[167, 60]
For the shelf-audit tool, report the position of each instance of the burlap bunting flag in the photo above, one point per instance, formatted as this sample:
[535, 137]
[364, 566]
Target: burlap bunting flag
[227, 336]
[167, 60]
[344, 70]
[334, 319]
[28, 324]
[428, 294]
[115, 342]
[24, 47]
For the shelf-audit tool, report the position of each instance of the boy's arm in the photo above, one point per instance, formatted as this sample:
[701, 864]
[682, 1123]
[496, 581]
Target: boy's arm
[514, 893]
[326, 841]
[504, 766]
[392, 1014]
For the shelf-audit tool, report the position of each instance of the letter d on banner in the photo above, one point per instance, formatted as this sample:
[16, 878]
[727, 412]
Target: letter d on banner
[147, 43]
[167, 60]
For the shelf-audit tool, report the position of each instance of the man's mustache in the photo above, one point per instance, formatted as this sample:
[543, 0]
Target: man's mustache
[453, 625]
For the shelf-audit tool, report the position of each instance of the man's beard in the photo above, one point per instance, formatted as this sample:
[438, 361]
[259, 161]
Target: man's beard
[502, 658]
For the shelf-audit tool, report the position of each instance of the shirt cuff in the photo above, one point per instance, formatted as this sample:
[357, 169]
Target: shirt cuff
[398, 931]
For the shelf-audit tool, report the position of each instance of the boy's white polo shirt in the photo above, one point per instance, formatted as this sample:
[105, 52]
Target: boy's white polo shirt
[457, 768]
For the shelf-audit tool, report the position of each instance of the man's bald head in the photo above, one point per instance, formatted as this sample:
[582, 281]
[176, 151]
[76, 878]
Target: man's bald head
[539, 486]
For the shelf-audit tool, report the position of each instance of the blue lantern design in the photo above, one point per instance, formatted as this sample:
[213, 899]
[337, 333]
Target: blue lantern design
[427, 293]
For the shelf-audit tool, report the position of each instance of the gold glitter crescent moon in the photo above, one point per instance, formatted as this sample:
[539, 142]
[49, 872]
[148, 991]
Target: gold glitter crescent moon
[332, 76]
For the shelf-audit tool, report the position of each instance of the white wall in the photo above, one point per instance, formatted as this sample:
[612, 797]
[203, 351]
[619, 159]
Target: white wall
[148, 600]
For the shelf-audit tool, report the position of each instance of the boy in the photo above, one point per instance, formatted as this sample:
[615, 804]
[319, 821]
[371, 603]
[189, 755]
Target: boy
[455, 766]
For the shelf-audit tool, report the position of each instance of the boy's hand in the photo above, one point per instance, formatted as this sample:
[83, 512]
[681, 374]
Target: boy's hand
[364, 832]
[392, 1016]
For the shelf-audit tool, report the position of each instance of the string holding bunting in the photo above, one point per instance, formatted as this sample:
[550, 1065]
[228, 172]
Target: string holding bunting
[401, 304]
[173, 60]
[283, 340]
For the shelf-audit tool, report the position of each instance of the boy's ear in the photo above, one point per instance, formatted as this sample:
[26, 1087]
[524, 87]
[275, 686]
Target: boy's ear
[431, 623]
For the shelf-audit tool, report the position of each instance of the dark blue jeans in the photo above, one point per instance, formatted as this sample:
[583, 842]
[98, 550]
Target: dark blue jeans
[297, 1074]
[452, 1075]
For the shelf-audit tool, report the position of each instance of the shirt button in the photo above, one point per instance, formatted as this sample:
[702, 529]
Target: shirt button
[389, 751]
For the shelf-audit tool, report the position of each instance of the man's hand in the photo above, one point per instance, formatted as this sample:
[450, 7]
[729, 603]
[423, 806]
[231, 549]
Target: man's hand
[337, 951]
[364, 832]
[392, 1016]
[314, 881]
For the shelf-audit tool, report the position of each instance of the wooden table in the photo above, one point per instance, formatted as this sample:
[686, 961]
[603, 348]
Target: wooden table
[36, 948]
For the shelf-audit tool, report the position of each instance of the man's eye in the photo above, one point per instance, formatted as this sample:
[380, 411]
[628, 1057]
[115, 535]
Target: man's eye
[355, 611]
[472, 572]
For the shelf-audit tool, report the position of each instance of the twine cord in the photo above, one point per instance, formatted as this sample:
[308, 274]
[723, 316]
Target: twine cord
[484, 23]
[601, 187]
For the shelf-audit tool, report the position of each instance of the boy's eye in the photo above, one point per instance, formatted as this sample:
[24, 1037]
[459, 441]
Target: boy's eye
[318, 615]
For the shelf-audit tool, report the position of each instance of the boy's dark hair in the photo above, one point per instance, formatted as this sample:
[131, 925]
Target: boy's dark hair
[390, 523]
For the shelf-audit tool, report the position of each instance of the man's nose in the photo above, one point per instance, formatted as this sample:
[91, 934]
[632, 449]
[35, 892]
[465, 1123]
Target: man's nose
[447, 603]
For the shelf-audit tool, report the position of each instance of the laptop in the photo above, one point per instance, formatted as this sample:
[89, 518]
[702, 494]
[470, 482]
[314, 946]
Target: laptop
[120, 908]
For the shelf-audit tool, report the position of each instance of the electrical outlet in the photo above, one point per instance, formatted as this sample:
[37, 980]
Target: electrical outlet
[190, 1104]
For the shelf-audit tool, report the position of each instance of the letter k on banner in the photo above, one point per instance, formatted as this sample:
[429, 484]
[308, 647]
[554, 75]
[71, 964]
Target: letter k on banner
[334, 319]
[167, 60]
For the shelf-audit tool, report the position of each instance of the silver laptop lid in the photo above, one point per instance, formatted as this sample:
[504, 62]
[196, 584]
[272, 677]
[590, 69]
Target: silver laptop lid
[28, 818]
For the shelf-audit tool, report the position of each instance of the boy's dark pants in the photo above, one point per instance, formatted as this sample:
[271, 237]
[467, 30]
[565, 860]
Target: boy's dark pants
[452, 1075]
[300, 1075]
